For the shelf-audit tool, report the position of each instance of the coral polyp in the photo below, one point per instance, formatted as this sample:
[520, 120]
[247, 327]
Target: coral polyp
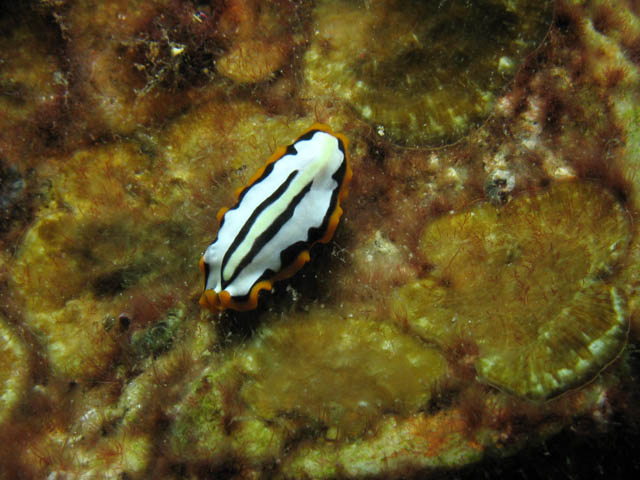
[531, 283]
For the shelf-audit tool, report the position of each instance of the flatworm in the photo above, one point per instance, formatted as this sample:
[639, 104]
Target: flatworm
[291, 203]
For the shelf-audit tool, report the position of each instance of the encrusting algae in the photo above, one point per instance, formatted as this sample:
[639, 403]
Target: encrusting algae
[352, 372]
[475, 300]
[531, 284]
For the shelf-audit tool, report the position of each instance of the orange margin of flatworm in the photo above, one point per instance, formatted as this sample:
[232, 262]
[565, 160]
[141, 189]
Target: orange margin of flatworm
[223, 300]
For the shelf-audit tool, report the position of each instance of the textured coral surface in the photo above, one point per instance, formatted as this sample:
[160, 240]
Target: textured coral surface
[431, 70]
[478, 303]
[530, 284]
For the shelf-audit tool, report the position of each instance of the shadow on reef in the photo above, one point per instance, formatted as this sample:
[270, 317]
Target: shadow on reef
[584, 451]
[235, 327]
[569, 455]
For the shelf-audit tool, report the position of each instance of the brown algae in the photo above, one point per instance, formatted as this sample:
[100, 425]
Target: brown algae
[531, 284]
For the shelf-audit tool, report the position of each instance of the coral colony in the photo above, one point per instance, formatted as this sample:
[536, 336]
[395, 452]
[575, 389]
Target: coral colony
[479, 296]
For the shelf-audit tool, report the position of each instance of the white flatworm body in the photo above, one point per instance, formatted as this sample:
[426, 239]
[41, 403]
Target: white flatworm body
[289, 204]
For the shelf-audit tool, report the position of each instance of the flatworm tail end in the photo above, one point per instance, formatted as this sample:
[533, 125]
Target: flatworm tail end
[209, 300]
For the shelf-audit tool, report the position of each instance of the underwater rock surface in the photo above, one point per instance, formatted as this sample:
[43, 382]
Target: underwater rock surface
[314, 374]
[474, 302]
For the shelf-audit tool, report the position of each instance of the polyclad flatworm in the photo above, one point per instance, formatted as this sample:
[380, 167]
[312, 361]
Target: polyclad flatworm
[289, 204]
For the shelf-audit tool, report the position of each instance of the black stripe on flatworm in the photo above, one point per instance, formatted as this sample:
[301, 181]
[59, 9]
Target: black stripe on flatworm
[265, 174]
[290, 150]
[206, 274]
[242, 234]
[271, 231]
[308, 135]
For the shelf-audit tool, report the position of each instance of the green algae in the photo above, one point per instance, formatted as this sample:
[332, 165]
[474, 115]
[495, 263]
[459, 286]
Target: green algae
[423, 72]
[530, 284]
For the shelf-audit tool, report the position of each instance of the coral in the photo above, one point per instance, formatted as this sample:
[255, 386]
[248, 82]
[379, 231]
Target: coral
[228, 134]
[420, 81]
[206, 418]
[353, 372]
[353, 369]
[438, 440]
[79, 263]
[134, 64]
[33, 86]
[16, 200]
[399, 444]
[532, 283]
[380, 262]
[109, 428]
[252, 61]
